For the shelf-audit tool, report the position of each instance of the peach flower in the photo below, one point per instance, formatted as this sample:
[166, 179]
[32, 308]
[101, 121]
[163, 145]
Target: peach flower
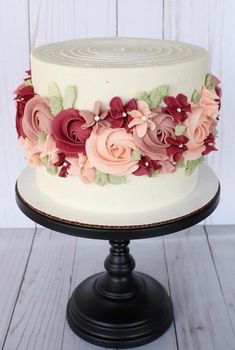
[210, 102]
[32, 154]
[110, 150]
[142, 119]
[81, 167]
[48, 149]
[199, 125]
[37, 117]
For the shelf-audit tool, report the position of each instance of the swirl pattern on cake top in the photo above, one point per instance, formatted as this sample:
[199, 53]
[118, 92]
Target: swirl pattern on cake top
[121, 53]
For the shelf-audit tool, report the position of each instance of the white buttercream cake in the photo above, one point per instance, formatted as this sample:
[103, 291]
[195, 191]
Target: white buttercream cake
[118, 125]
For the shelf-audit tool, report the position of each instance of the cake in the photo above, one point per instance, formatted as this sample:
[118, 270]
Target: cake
[117, 125]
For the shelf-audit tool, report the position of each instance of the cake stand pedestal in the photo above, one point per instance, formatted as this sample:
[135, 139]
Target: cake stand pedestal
[120, 307]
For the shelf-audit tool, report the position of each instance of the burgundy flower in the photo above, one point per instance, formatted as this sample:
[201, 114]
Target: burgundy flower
[69, 136]
[118, 114]
[147, 166]
[210, 144]
[177, 107]
[177, 147]
[23, 94]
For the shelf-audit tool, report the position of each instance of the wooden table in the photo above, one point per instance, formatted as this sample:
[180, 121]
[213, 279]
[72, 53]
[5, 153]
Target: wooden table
[39, 269]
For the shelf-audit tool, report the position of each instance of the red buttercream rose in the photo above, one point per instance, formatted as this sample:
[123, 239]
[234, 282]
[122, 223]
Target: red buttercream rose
[69, 136]
[118, 114]
[23, 94]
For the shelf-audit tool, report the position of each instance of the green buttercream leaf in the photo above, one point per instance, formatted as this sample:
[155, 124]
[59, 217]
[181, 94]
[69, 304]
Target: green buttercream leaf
[51, 169]
[215, 132]
[70, 96]
[116, 180]
[180, 129]
[143, 96]
[192, 164]
[209, 81]
[42, 136]
[55, 98]
[180, 164]
[44, 160]
[196, 96]
[156, 95]
[28, 82]
[154, 173]
[135, 156]
[101, 179]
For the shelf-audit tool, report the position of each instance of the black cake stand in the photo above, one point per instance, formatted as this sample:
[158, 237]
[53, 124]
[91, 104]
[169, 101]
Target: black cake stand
[120, 307]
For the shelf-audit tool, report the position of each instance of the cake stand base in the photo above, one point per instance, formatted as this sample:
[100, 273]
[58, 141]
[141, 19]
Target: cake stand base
[119, 308]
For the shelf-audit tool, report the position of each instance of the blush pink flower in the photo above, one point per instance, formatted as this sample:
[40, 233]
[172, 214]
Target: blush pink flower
[82, 168]
[32, 153]
[210, 102]
[155, 142]
[110, 151]
[48, 149]
[95, 118]
[199, 126]
[142, 119]
[37, 118]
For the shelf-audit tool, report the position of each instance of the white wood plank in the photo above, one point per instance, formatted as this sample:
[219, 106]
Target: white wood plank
[209, 23]
[149, 256]
[39, 317]
[202, 321]
[222, 245]
[15, 245]
[140, 18]
[55, 20]
[13, 62]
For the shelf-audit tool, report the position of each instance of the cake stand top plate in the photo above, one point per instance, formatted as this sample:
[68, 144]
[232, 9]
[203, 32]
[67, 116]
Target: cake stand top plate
[183, 214]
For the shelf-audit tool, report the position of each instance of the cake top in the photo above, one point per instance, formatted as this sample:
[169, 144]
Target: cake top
[118, 52]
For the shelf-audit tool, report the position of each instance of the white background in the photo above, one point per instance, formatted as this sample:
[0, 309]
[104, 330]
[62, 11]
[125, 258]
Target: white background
[25, 24]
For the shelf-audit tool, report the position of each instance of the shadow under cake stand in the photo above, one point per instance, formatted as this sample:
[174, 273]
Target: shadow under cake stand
[120, 307]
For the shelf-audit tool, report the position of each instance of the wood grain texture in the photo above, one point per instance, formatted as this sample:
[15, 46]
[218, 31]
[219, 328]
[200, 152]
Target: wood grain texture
[208, 23]
[55, 20]
[14, 60]
[44, 294]
[222, 244]
[202, 320]
[15, 246]
[140, 18]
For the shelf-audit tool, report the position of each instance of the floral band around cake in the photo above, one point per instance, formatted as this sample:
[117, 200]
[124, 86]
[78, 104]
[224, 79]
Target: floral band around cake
[150, 134]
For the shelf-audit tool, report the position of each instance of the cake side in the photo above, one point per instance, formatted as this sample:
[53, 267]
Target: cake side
[103, 68]
[136, 195]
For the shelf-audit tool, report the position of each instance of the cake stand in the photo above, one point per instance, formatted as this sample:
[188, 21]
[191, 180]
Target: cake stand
[119, 307]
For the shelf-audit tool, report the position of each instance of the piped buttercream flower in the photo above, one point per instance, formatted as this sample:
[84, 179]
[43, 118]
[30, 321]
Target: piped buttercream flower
[48, 149]
[154, 143]
[37, 118]
[177, 107]
[110, 151]
[82, 168]
[32, 153]
[95, 118]
[142, 119]
[118, 114]
[199, 126]
[147, 167]
[177, 147]
[68, 133]
[210, 101]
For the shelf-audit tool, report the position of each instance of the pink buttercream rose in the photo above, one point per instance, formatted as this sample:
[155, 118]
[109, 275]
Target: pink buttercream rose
[199, 125]
[32, 153]
[154, 143]
[37, 117]
[110, 151]
[81, 167]
[142, 119]
[210, 102]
